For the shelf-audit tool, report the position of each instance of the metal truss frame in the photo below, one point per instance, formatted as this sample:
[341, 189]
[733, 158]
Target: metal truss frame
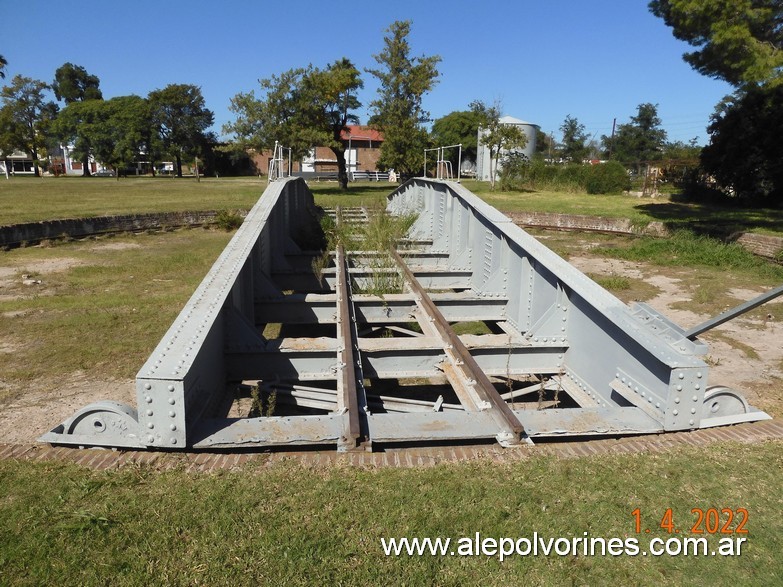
[559, 356]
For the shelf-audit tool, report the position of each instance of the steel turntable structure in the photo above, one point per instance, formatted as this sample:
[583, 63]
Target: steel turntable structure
[546, 352]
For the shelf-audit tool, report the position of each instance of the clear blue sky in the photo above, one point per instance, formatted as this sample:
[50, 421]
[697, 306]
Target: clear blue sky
[541, 59]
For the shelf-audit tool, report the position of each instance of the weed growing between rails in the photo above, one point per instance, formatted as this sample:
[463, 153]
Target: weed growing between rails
[372, 241]
[382, 234]
[262, 402]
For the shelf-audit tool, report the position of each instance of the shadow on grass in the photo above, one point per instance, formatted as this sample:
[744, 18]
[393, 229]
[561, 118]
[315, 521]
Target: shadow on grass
[722, 221]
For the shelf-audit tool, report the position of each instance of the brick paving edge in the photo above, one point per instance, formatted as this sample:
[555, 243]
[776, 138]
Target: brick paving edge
[101, 459]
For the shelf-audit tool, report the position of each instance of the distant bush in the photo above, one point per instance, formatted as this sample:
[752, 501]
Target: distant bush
[518, 173]
[607, 178]
[227, 220]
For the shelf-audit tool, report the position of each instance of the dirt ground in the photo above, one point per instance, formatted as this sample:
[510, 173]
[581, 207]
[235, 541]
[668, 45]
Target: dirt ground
[759, 377]
[745, 354]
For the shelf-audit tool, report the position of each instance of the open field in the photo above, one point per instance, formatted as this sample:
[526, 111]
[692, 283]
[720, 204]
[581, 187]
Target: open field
[667, 208]
[28, 199]
[101, 306]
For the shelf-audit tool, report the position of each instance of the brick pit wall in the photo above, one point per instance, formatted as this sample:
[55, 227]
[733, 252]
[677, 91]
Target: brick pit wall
[34, 232]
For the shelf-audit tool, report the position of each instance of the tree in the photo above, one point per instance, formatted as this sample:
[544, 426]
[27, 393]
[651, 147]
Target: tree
[573, 146]
[119, 130]
[398, 110]
[544, 144]
[682, 151]
[26, 116]
[640, 140]
[498, 137]
[301, 108]
[3, 65]
[72, 83]
[180, 117]
[459, 127]
[739, 41]
[745, 153]
[75, 125]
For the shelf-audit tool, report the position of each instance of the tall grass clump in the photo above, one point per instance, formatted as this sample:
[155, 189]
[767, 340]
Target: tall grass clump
[378, 237]
[382, 233]
[228, 220]
[519, 173]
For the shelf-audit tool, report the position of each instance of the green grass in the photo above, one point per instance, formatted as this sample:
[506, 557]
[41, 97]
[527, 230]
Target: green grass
[49, 198]
[686, 249]
[667, 208]
[106, 312]
[28, 199]
[290, 525]
[611, 206]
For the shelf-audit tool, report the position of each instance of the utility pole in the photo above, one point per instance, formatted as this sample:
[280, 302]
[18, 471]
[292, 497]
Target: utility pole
[611, 141]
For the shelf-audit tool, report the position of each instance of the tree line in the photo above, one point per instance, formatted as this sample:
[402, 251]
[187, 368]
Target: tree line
[171, 122]
[740, 43]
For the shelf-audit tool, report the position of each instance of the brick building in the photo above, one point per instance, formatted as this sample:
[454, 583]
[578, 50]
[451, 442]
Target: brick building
[362, 151]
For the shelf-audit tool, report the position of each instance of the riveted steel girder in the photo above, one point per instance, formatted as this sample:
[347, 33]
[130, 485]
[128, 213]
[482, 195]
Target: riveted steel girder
[495, 337]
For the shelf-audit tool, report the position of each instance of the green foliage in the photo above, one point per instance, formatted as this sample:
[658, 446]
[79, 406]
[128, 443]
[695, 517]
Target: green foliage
[180, 119]
[640, 140]
[228, 220]
[3, 65]
[460, 127]
[117, 131]
[25, 116]
[301, 108]
[745, 154]
[607, 178]
[72, 83]
[739, 41]
[682, 151]
[573, 146]
[398, 110]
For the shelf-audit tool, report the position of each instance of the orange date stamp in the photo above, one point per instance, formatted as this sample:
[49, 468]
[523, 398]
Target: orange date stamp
[702, 521]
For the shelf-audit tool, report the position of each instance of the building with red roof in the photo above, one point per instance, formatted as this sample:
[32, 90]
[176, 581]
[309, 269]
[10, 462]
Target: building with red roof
[362, 151]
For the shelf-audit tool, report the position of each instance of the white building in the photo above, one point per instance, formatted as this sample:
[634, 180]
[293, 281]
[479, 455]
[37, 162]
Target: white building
[16, 163]
[484, 162]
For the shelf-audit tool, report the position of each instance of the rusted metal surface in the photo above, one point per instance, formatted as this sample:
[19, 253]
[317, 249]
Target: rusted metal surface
[350, 387]
[465, 372]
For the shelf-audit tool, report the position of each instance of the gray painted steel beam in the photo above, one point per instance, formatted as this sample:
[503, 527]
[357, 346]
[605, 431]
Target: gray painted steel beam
[320, 308]
[395, 358]
[630, 371]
